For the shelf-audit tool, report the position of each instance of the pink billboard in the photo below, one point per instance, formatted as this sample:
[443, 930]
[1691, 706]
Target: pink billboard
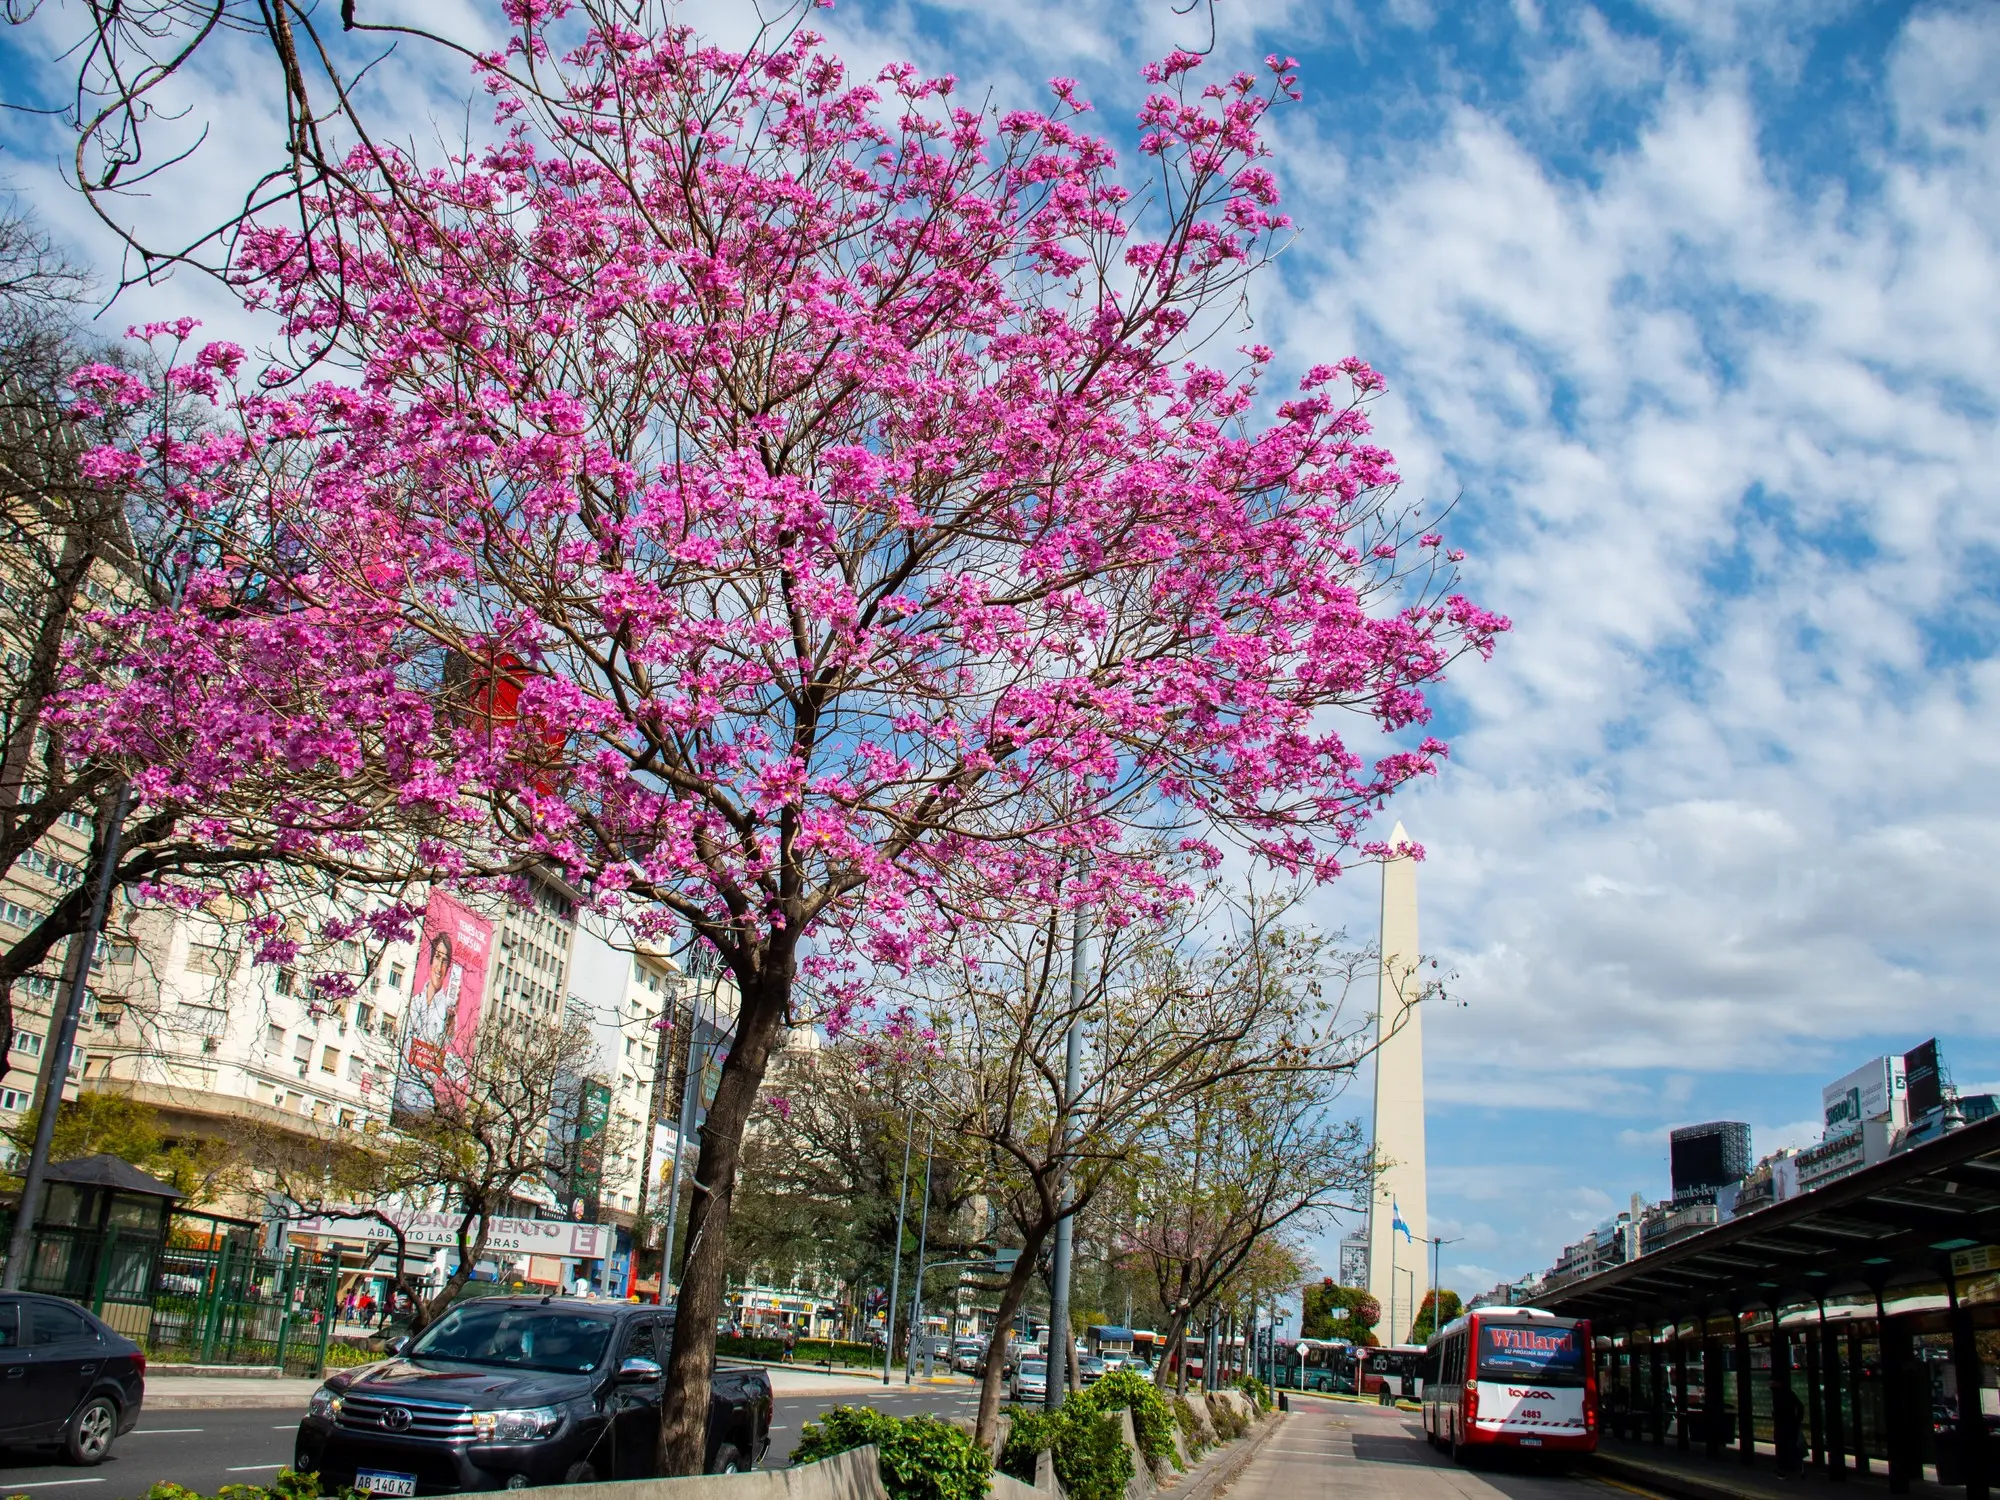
[441, 1021]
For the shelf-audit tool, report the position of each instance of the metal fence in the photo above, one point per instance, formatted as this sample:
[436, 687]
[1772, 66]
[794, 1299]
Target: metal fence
[222, 1304]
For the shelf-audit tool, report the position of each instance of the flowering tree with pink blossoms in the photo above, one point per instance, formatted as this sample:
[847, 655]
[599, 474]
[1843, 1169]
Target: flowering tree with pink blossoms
[797, 509]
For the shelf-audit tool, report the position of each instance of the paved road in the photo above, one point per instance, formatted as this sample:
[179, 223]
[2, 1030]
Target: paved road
[205, 1450]
[1338, 1448]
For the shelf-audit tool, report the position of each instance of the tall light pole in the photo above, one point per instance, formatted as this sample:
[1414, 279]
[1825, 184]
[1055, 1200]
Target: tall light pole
[682, 1126]
[82, 949]
[1058, 1362]
[1437, 1242]
[896, 1275]
[923, 1244]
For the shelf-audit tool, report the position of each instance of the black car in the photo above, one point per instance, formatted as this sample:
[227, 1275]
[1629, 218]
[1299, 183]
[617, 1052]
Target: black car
[506, 1392]
[65, 1378]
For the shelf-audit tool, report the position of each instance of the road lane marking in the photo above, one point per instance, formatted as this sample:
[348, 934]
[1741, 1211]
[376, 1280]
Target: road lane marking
[251, 1468]
[48, 1484]
[160, 1431]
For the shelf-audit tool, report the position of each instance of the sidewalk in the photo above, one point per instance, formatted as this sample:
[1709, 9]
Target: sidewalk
[1694, 1476]
[169, 1392]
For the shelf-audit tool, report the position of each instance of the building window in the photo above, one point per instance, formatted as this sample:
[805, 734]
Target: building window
[274, 1038]
[28, 1043]
[286, 982]
[395, 976]
[355, 1071]
[329, 1061]
[16, 915]
[98, 1065]
[13, 1101]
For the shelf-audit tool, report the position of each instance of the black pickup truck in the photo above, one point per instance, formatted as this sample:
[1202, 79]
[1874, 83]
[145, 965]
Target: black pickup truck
[507, 1392]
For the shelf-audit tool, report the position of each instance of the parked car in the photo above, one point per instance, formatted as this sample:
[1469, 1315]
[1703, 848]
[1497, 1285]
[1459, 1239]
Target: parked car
[502, 1393]
[967, 1355]
[1089, 1369]
[1031, 1380]
[67, 1379]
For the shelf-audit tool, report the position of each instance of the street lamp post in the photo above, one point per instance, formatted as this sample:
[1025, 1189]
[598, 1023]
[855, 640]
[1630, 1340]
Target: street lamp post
[896, 1275]
[1058, 1362]
[923, 1244]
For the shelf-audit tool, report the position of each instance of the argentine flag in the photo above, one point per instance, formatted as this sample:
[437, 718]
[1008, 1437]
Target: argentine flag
[1396, 1221]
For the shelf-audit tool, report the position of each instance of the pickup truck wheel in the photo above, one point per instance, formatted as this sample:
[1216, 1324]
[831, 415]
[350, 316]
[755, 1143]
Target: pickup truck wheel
[580, 1472]
[91, 1432]
[728, 1460]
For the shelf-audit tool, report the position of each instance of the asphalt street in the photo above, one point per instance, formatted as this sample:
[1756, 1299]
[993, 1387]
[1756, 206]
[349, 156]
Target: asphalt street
[205, 1450]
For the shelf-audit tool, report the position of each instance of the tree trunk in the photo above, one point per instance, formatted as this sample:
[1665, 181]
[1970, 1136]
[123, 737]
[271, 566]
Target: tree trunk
[996, 1343]
[684, 1410]
[1170, 1360]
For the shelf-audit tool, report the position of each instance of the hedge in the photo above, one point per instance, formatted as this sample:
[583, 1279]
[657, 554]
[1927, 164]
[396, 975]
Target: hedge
[807, 1351]
[1089, 1449]
[1256, 1390]
[922, 1458]
[1152, 1419]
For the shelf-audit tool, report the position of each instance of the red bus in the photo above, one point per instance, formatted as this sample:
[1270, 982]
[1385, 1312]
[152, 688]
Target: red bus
[1511, 1377]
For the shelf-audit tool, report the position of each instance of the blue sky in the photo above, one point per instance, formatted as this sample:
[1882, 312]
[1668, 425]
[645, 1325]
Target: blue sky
[1695, 307]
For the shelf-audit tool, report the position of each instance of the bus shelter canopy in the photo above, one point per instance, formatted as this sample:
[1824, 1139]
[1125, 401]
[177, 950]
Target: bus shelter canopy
[1924, 1216]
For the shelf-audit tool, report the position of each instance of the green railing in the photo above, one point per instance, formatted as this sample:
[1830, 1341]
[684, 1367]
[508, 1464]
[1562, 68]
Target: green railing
[225, 1305]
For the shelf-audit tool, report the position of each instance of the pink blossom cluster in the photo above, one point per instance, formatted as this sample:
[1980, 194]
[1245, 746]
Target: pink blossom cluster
[790, 505]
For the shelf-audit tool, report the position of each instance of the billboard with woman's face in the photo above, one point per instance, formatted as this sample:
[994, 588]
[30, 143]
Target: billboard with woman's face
[441, 1021]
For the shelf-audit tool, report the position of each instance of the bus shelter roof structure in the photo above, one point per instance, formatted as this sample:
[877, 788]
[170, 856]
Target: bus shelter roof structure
[1892, 1225]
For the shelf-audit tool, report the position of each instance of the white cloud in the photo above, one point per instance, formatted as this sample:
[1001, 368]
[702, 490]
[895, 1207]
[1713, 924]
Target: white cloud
[1722, 799]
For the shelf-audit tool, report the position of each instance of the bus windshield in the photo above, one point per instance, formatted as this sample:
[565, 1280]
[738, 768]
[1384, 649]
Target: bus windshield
[1530, 1351]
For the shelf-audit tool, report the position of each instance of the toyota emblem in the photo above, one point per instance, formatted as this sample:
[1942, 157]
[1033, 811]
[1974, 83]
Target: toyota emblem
[396, 1419]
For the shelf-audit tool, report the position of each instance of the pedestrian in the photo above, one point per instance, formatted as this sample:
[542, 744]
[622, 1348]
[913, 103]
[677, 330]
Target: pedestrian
[791, 1343]
[1787, 1422]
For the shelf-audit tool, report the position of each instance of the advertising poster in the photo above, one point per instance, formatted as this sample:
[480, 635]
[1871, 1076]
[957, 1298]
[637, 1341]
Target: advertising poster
[441, 1020]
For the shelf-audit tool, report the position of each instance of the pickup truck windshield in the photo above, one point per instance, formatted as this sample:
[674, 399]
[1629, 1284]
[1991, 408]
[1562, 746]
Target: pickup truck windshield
[521, 1338]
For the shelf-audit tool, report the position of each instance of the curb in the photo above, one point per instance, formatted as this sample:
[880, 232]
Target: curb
[169, 1371]
[1230, 1464]
[156, 1400]
[1664, 1480]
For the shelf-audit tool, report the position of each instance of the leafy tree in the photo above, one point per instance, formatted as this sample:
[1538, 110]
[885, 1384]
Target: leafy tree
[1439, 1308]
[202, 1169]
[800, 512]
[1340, 1312]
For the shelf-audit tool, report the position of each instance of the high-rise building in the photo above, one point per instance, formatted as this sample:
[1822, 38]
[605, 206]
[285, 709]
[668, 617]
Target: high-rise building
[1399, 1271]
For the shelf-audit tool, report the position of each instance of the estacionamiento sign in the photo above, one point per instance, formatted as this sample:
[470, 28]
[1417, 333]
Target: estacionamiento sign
[509, 1236]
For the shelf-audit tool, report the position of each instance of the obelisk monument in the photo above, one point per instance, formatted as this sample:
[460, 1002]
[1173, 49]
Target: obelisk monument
[1399, 1270]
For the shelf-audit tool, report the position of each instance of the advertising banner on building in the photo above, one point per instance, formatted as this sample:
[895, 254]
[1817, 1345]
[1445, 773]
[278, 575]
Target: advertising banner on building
[509, 1236]
[441, 1022]
[1923, 1080]
[587, 1180]
[1870, 1092]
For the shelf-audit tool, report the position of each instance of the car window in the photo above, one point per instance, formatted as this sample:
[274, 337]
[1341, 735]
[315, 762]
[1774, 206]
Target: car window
[643, 1341]
[10, 1323]
[56, 1324]
[530, 1338]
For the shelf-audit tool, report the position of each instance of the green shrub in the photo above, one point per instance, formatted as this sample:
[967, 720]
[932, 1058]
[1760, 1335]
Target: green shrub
[808, 1352]
[1091, 1458]
[1152, 1421]
[1193, 1429]
[921, 1457]
[287, 1485]
[1223, 1416]
[1258, 1392]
